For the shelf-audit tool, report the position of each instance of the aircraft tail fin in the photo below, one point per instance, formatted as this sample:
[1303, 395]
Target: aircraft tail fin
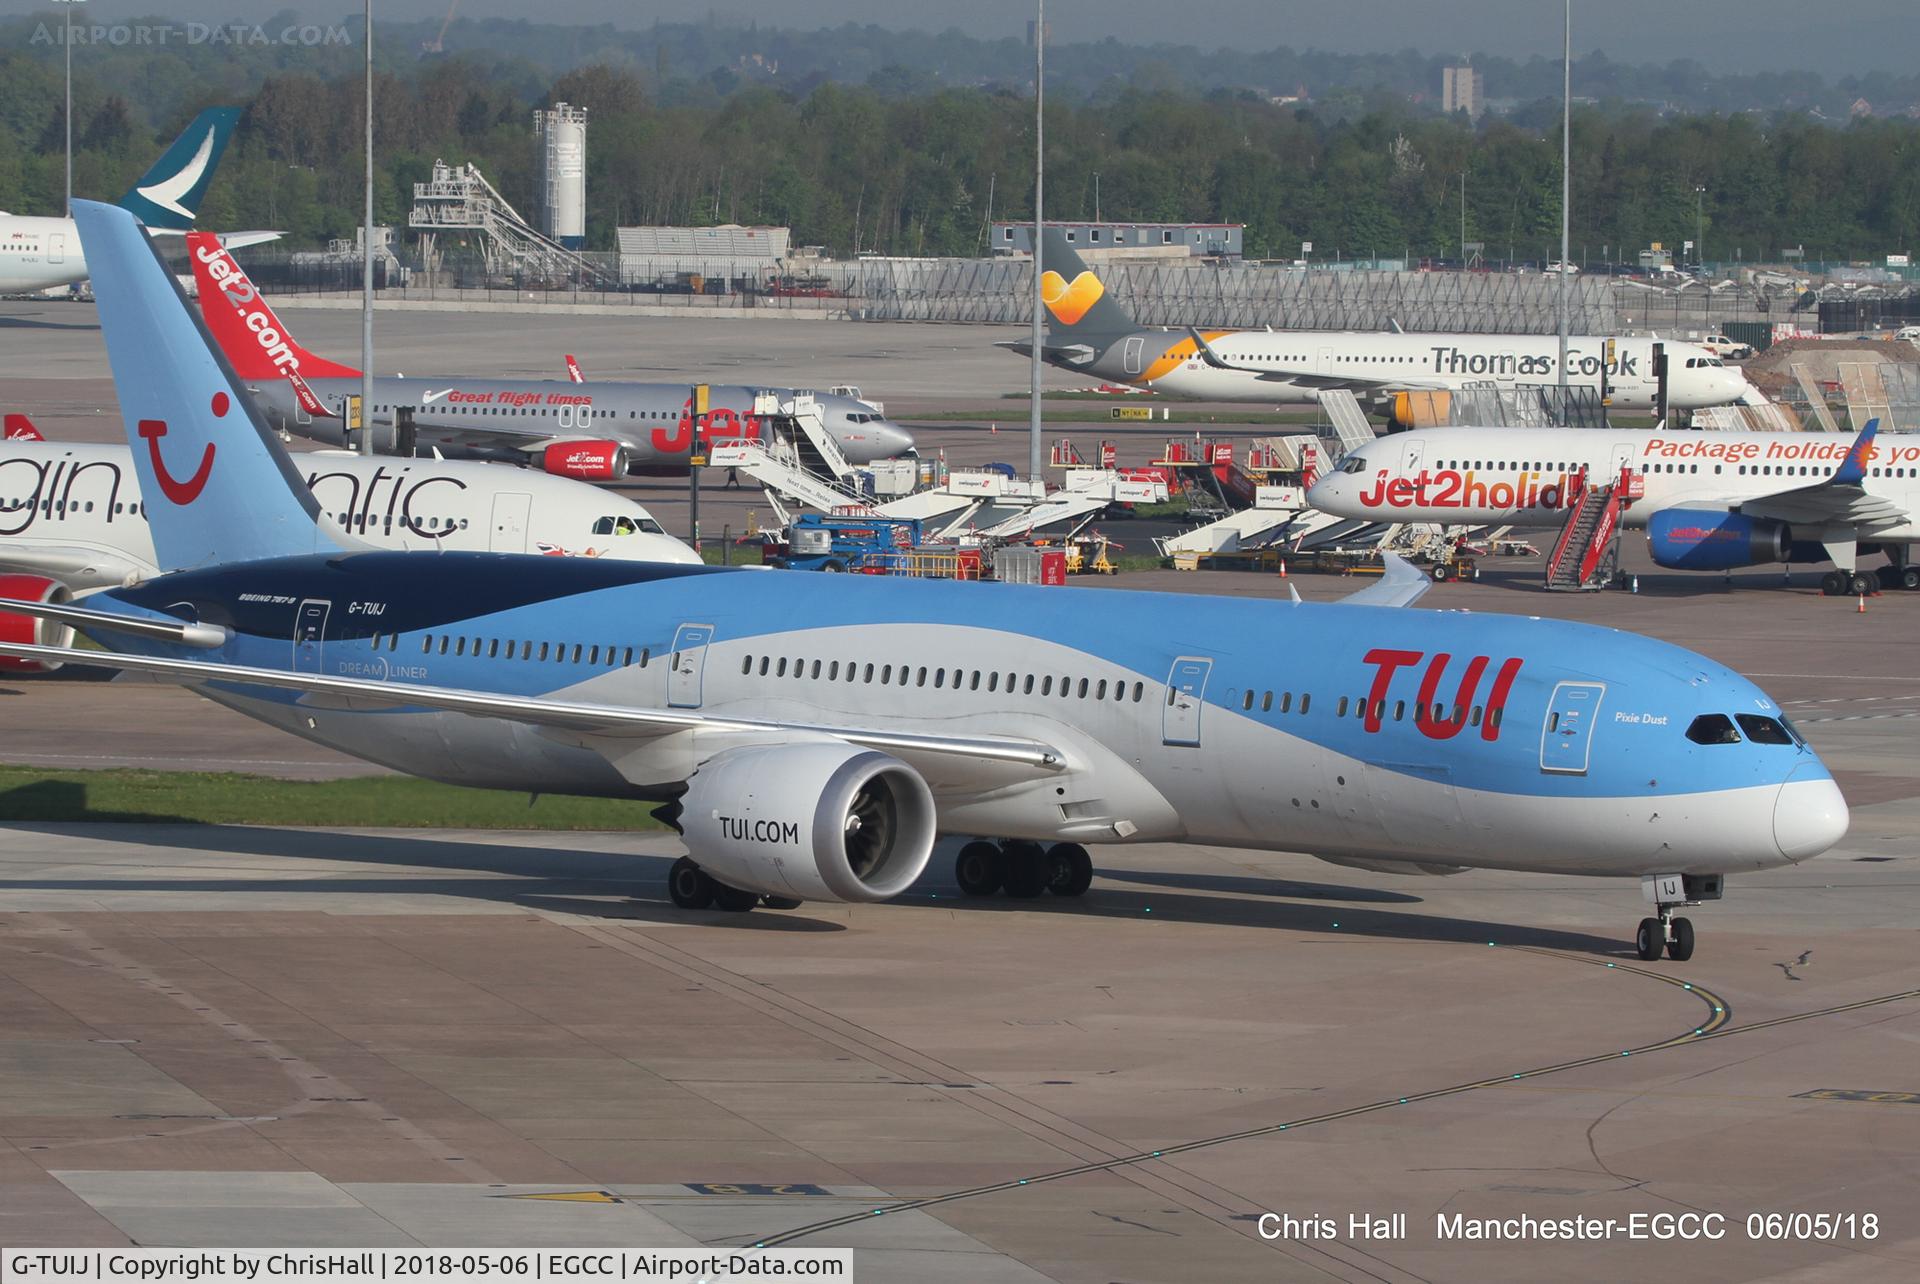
[20, 428]
[248, 332]
[1853, 469]
[217, 486]
[1076, 299]
[167, 196]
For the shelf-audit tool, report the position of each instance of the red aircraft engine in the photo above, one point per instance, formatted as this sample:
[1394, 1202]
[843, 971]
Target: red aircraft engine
[586, 460]
[29, 629]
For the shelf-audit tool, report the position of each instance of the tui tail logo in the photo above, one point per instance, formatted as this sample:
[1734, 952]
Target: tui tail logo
[180, 493]
[1069, 302]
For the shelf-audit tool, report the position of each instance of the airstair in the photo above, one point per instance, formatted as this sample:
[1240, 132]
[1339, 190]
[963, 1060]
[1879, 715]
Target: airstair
[1349, 421]
[795, 458]
[1587, 555]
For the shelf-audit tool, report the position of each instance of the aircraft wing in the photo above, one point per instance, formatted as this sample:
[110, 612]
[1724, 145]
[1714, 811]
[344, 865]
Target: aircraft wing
[1840, 500]
[1399, 585]
[77, 567]
[1306, 378]
[566, 715]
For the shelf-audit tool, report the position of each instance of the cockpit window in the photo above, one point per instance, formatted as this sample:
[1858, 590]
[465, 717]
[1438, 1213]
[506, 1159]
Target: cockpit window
[1352, 464]
[1713, 729]
[652, 527]
[604, 526]
[1763, 730]
[615, 526]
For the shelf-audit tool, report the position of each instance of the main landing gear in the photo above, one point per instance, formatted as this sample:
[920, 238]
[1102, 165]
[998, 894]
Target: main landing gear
[692, 888]
[1849, 584]
[1667, 893]
[1023, 870]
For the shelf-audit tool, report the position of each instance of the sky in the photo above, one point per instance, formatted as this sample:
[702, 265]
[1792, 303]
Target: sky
[1834, 39]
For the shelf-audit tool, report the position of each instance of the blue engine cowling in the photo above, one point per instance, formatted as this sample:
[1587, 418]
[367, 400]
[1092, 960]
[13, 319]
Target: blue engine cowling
[1710, 539]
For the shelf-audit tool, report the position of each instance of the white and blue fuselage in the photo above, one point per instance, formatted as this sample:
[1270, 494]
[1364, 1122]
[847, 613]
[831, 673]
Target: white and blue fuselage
[1347, 731]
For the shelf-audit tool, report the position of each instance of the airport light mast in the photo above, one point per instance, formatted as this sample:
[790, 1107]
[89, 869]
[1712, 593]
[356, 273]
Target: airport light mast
[366, 268]
[1034, 467]
[1566, 192]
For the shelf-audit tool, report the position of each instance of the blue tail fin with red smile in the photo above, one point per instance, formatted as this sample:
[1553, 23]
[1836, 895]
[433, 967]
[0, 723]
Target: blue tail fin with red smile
[217, 487]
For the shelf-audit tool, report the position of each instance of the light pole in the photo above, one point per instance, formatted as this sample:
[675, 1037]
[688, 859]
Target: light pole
[1566, 190]
[1699, 225]
[66, 44]
[366, 267]
[1096, 197]
[1039, 225]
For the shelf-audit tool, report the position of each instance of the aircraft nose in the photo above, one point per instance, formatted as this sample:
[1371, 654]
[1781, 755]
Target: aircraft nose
[893, 442]
[1809, 815]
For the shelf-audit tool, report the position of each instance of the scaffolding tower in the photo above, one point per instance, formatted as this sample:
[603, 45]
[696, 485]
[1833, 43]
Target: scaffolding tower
[459, 199]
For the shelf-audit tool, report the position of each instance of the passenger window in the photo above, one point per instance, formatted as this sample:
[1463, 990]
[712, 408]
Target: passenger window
[1247, 703]
[1046, 685]
[1713, 729]
[1266, 703]
[816, 670]
[1081, 691]
[627, 658]
[939, 677]
[886, 673]
[973, 680]
[543, 651]
[593, 656]
[1340, 710]
[1027, 686]
[460, 646]
[493, 648]
[426, 644]
[1763, 730]
[1305, 700]
[780, 671]
[833, 671]
[1286, 702]
[993, 680]
[576, 653]
[1100, 692]
[746, 665]
[1139, 690]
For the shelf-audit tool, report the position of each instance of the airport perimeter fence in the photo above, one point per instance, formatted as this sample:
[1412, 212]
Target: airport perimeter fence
[997, 292]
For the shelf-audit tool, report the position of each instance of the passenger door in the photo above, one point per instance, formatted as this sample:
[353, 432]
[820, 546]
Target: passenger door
[57, 247]
[310, 634]
[1186, 692]
[1566, 739]
[1134, 355]
[510, 513]
[689, 660]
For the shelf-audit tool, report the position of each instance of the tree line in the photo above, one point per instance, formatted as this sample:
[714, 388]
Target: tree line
[860, 168]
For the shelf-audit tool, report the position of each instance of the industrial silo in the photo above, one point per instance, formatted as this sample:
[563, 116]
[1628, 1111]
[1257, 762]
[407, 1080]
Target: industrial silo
[562, 136]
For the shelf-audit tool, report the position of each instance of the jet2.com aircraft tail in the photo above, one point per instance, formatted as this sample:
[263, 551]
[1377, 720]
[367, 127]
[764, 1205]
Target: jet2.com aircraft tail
[250, 335]
[217, 487]
[167, 196]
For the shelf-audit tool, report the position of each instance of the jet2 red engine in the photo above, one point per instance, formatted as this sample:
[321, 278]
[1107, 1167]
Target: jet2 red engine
[585, 460]
[817, 822]
[31, 629]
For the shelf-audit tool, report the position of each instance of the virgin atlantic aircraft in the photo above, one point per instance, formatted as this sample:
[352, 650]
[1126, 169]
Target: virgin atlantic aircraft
[811, 735]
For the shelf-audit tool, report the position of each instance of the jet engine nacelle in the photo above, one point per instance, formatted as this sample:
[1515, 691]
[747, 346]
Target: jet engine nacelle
[820, 822]
[1704, 539]
[32, 629]
[585, 460]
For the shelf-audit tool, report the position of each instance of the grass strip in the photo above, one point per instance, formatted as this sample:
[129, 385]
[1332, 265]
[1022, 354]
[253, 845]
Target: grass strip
[129, 796]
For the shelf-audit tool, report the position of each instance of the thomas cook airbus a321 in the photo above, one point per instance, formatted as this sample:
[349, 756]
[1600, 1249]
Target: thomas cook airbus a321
[811, 735]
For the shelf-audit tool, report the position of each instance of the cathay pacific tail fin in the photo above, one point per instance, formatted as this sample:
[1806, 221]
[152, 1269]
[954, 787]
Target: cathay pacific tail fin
[167, 196]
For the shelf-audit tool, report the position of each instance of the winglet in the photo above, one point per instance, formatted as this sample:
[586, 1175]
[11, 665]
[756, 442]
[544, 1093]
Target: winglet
[1853, 469]
[20, 428]
[1400, 584]
[217, 486]
[573, 370]
[167, 196]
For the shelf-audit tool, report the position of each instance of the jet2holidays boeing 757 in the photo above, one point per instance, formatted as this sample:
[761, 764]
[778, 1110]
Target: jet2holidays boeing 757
[810, 736]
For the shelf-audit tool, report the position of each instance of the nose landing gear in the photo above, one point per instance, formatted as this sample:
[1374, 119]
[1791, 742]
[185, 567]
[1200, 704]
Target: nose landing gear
[1666, 933]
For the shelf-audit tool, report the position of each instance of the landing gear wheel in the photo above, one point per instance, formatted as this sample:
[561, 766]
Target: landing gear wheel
[733, 900]
[1439, 573]
[1910, 577]
[689, 886]
[1025, 871]
[1680, 948]
[1834, 583]
[1859, 584]
[1887, 577]
[977, 868]
[1069, 869]
[782, 902]
[1649, 940]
